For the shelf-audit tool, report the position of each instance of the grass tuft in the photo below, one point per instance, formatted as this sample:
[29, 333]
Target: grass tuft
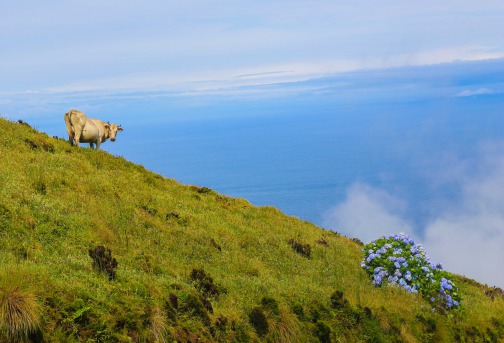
[19, 309]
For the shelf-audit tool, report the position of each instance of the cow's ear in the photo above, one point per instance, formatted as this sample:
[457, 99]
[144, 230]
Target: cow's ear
[119, 128]
[107, 126]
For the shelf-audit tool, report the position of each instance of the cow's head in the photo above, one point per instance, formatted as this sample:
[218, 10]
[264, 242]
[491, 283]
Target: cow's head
[112, 130]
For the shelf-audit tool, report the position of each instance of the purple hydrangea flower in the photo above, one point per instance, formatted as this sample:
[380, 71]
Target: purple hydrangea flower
[396, 259]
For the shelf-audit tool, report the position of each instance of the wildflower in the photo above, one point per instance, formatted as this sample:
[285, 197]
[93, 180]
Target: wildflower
[445, 285]
[398, 261]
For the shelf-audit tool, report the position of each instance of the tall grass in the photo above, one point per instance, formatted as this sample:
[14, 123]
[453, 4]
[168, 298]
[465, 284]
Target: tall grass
[20, 312]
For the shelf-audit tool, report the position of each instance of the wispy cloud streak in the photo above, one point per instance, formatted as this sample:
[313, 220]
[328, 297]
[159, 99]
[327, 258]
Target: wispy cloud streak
[64, 44]
[479, 91]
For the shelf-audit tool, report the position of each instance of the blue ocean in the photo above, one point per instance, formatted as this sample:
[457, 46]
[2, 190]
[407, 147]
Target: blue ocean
[304, 163]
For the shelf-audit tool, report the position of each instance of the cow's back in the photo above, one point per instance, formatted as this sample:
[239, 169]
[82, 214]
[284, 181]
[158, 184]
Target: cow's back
[76, 119]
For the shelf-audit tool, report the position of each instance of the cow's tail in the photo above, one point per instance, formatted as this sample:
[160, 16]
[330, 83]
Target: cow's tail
[69, 126]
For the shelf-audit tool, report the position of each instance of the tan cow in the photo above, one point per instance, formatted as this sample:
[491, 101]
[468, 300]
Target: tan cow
[81, 129]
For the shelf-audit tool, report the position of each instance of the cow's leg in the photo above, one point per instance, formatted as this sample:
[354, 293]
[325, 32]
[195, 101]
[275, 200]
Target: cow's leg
[70, 129]
[98, 142]
[77, 137]
[71, 138]
[91, 145]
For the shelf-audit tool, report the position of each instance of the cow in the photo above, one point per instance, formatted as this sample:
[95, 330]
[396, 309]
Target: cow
[81, 129]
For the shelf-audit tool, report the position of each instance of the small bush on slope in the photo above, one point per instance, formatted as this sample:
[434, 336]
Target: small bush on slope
[103, 261]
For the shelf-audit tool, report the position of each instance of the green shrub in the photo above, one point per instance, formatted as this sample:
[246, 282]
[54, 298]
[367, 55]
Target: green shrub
[170, 307]
[215, 245]
[204, 283]
[5, 217]
[271, 305]
[323, 332]
[149, 209]
[193, 305]
[204, 190]
[173, 299]
[178, 218]
[323, 241]
[40, 144]
[298, 310]
[300, 248]
[221, 321]
[357, 241]
[103, 261]
[338, 300]
[259, 321]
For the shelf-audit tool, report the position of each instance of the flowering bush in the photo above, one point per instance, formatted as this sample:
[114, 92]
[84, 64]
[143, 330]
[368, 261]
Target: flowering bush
[398, 261]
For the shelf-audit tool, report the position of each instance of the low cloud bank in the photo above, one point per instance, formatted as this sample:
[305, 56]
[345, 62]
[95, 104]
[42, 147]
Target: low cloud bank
[368, 213]
[466, 236]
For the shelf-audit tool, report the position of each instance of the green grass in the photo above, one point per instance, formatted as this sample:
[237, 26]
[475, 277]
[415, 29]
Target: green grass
[58, 202]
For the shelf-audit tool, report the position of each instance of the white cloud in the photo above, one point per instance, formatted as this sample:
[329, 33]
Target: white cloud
[367, 213]
[58, 44]
[467, 237]
[479, 91]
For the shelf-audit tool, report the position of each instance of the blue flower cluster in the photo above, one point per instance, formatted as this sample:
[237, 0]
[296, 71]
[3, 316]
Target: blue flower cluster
[445, 289]
[398, 261]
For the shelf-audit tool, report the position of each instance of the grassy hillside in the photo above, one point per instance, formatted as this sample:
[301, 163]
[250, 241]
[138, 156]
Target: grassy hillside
[94, 248]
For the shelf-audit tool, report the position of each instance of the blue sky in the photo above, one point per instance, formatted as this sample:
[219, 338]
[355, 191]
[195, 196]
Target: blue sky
[63, 46]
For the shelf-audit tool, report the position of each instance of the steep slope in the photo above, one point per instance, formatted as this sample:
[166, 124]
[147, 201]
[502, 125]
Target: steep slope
[98, 249]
